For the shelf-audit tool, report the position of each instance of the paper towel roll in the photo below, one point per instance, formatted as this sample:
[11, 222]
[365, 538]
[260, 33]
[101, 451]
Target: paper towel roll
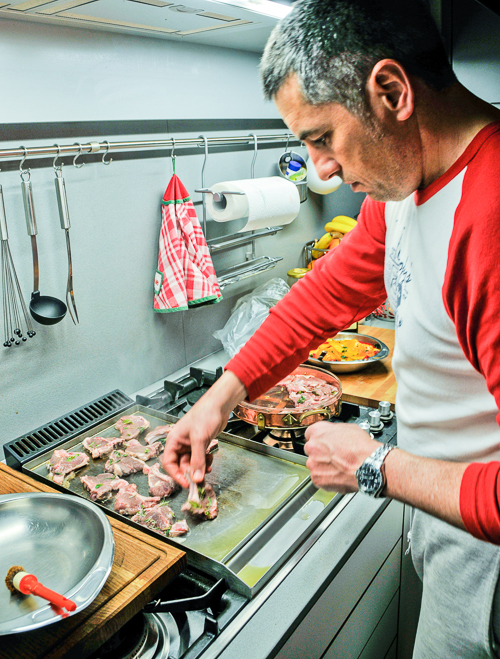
[267, 202]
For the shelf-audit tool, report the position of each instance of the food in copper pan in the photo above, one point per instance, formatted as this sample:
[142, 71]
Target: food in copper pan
[135, 449]
[307, 391]
[128, 500]
[63, 464]
[160, 485]
[160, 518]
[160, 432]
[121, 464]
[130, 427]
[102, 486]
[99, 446]
[201, 500]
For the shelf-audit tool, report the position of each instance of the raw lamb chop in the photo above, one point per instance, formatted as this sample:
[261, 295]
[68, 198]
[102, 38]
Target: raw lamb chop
[101, 486]
[130, 427]
[128, 500]
[161, 519]
[135, 449]
[160, 432]
[99, 446]
[201, 499]
[179, 528]
[63, 464]
[121, 464]
[160, 485]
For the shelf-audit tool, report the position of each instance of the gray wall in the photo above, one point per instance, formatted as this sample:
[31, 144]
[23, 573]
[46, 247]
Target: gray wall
[61, 74]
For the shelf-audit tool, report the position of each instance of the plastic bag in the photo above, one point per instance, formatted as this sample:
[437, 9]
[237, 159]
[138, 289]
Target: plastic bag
[249, 313]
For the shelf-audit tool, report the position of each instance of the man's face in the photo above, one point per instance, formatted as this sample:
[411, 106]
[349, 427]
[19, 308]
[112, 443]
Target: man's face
[373, 157]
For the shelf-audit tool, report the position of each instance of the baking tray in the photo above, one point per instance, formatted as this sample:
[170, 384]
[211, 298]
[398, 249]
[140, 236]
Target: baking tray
[251, 482]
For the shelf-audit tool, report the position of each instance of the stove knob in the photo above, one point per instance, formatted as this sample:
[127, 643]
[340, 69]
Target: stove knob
[376, 425]
[384, 407]
[364, 425]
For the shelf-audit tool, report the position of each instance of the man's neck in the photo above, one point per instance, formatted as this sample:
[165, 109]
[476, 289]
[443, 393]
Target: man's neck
[448, 121]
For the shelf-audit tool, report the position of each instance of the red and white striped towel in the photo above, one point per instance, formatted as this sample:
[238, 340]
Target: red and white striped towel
[185, 276]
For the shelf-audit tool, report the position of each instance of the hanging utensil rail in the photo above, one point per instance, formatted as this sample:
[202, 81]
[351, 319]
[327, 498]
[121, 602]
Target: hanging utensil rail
[108, 146]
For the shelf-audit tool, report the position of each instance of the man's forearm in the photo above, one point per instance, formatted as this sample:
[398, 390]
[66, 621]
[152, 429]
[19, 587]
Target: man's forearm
[430, 485]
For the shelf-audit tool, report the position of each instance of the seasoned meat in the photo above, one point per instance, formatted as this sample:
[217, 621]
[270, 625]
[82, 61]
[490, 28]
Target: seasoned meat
[160, 518]
[179, 528]
[130, 427]
[135, 449]
[121, 464]
[308, 391]
[101, 487]
[160, 432]
[128, 500]
[99, 446]
[63, 464]
[201, 500]
[160, 484]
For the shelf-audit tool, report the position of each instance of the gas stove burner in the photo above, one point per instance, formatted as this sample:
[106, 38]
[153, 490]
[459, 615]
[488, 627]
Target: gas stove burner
[288, 434]
[141, 638]
[194, 396]
[286, 439]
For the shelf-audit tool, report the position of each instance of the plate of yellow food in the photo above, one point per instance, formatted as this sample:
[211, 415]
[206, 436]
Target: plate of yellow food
[347, 352]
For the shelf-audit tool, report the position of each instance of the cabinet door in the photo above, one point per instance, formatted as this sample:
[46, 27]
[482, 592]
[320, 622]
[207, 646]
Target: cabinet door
[369, 612]
[315, 633]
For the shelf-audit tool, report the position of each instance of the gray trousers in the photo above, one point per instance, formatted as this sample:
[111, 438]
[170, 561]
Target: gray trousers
[460, 612]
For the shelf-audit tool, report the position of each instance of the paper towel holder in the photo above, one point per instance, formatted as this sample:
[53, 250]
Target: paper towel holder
[219, 200]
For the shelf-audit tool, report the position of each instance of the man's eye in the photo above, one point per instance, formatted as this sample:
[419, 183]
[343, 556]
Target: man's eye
[320, 141]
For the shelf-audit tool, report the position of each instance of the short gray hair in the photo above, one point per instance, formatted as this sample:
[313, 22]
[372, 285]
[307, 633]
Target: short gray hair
[332, 46]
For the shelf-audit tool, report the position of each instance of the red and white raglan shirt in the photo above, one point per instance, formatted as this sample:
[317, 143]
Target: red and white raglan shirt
[436, 255]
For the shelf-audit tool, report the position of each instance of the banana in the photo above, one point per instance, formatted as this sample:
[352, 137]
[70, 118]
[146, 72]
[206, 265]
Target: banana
[322, 243]
[341, 223]
[338, 226]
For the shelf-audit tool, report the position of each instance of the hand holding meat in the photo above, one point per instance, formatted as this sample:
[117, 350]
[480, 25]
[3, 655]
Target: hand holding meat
[188, 440]
[335, 451]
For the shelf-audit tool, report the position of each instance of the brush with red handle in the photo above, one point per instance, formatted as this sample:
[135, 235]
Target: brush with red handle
[27, 584]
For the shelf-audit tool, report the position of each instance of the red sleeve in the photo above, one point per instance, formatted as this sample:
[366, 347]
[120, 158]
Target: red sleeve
[344, 286]
[479, 496]
[472, 298]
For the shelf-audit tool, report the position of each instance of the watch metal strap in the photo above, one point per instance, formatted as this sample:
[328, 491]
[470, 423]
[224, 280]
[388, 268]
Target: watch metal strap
[378, 456]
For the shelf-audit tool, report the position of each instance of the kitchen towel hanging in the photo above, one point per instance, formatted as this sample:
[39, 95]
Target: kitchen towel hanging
[185, 276]
[266, 202]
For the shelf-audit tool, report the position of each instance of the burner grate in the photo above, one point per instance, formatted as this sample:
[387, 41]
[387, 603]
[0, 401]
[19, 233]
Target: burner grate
[50, 435]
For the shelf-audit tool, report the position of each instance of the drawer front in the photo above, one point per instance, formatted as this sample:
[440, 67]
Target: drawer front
[385, 634]
[315, 633]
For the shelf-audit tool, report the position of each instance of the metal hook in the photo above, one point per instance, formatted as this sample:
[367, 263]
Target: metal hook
[24, 171]
[106, 162]
[172, 155]
[57, 168]
[80, 149]
[254, 154]
[205, 142]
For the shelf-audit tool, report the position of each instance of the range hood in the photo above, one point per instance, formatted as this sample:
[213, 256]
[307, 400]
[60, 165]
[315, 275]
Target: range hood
[242, 24]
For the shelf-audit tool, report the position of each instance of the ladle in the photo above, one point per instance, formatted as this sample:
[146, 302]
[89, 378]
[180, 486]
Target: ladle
[44, 309]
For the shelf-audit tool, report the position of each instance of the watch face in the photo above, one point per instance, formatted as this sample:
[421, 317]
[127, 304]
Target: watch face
[369, 479]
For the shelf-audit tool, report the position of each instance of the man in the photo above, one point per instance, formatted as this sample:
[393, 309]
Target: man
[366, 85]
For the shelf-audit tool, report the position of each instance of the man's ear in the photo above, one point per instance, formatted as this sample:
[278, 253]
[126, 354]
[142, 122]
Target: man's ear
[389, 88]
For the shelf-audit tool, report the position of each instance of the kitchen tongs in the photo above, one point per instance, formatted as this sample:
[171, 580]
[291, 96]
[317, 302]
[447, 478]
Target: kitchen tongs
[62, 202]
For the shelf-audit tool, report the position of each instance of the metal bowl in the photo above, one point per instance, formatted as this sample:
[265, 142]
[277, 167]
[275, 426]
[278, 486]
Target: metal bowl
[65, 541]
[353, 365]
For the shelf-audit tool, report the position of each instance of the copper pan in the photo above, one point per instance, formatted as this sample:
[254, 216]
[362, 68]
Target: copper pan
[274, 411]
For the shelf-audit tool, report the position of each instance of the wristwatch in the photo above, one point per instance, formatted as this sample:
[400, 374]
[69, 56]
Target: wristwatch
[370, 475]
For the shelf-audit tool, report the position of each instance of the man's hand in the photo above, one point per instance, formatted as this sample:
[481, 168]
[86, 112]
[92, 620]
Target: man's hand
[188, 440]
[335, 451]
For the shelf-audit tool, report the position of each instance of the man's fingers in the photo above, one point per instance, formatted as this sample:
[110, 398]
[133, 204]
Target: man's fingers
[198, 460]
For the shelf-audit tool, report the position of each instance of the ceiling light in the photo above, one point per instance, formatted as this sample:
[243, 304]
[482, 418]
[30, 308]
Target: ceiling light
[267, 7]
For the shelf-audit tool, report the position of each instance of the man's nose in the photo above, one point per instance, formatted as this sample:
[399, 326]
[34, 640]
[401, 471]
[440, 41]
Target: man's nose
[326, 167]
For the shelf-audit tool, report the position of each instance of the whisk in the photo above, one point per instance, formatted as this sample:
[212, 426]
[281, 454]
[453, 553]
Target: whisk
[14, 307]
